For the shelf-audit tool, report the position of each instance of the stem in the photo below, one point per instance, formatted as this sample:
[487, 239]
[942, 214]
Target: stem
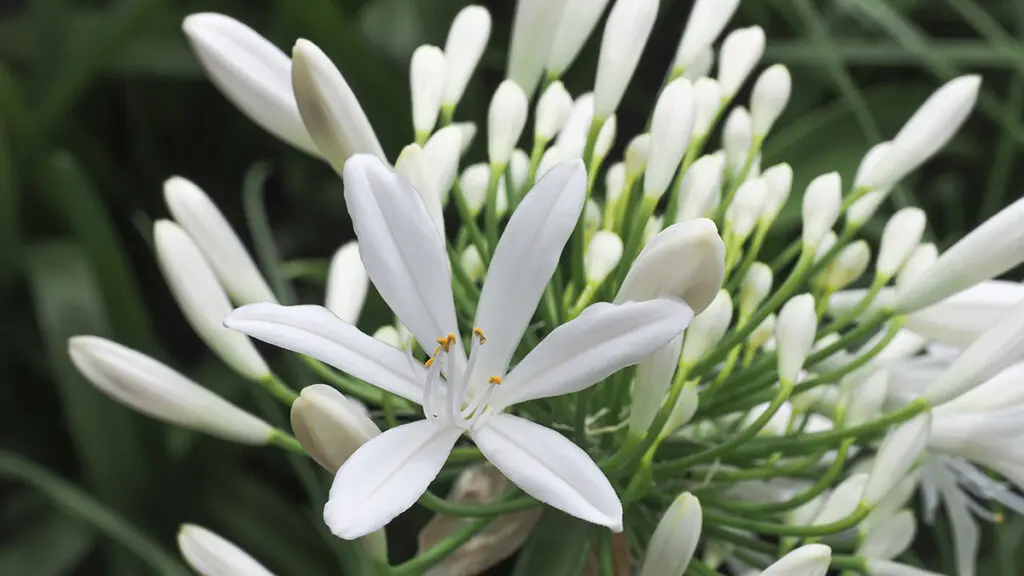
[282, 439]
[734, 184]
[278, 389]
[438, 552]
[853, 313]
[850, 521]
[437, 504]
[491, 207]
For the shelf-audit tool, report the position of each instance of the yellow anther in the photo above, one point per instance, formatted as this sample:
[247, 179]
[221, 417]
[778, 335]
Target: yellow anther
[998, 518]
[450, 341]
[428, 362]
[496, 380]
[479, 334]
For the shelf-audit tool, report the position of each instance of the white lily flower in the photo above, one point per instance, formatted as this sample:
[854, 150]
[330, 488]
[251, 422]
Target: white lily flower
[533, 36]
[737, 138]
[807, 560]
[405, 260]
[707, 20]
[506, 119]
[251, 72]
[675, 539]
[194, 211]
[741, 51]
[211, 555]
[426, 83]
[794, 335]
[626, 32]
[779, 179]
[466, 42]
[575, 25]
[347, 283]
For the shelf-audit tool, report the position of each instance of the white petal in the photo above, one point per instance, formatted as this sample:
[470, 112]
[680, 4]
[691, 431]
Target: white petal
[210, 554]
[386, 476]
[524, 260]
[550, 468]
[888, 568]
[961, 318]
[314, 331]
[253, 73]
[400, 247]
[604, 339]
[346, 283]
[807, 560]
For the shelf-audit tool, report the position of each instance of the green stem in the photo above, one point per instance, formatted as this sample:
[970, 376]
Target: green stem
[278, 389]
[438, 552]
[491, 207]
[787, 530]
[439, 505]
[858, 310]
[468, 222]
[282, 439]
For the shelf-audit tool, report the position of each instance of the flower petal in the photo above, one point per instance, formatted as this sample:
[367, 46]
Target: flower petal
[550, 468]
[400, 247]
[315, 331]
[524, 260]
[602, 340]
[961, 318]
[386, 476]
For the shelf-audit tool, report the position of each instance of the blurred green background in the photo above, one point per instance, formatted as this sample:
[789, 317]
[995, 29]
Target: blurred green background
[101, 101]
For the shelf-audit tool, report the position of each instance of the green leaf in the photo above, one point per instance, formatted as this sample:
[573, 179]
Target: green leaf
[559, 546]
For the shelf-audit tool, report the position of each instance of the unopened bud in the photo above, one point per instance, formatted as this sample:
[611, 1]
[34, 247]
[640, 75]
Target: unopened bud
[746, 207]
[807, 560]
[896, 456]
[650, 386]
[534, 30]
[626, 31]
[864, 401]
[443, 151]
[920, 260]
[794, 336]
[413, 166]
[707, 20]
[769, 98]
[472, 263]
[890, 538]
[506, 119]
[701, 66]
[614, 183]
[519, 170]
[701, 187]
[779, 179]
[467, 39]
[426, 80]
[843, 501]
[672, 123]
[605, 139]
[741, 51]
[329, 426]
[900, 237]
[737, 138]
[347, 283]
[764, 332]
[849, 265]
[389, 335]
[473, 185]
[822, 201]
[573, 137]
[553, 110]
[707, 328]
[866, 206]
[675, 539]
[757, 284]
[637, 152]
[707, 99]
[212, 555]
[603, 254]
[575, 24]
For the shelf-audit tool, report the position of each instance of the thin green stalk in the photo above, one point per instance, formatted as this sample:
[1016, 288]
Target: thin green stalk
[772, 528]
[491, 207]
[438, 552]
[278, 389]
[439, 505]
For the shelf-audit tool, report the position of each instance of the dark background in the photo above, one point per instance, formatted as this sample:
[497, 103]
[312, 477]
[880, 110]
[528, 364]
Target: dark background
[101, 101]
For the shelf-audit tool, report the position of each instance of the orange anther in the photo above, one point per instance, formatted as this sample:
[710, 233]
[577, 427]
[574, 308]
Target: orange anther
[496, 380]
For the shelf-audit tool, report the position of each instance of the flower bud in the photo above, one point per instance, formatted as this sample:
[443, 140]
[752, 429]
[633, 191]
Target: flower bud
[741, 51]
[777, 425]
[626, 31]
[779, 179]
[329, 426]
[684, 410]
[329, 109]
[519, 170]
[865, 207]
[412, 165]
[1000, 240]
[807, 560]
[473, 185]
[889, 568]
[865, 400]
[707, 20]
[700, 189]
[637, 152]
[553, 157]
[389, 335]
[603, 254]
[347, 283]
[650, 386]
[553, 110]
[506, 119]
[896, 456]
[685, 260]
[472, 263]
[769, 99]
[576, 22]
[154, 389]
[573, 136]
[199, 216]
[737, 138]
[707, 328]
[467, 39]
[822, 201]
[757, 284]
[707, 99]
[251, 72]
[848, 266]
[804, 514]
[442, 152]
[794, 335]
[614, 183]
[605, 140]
[202, 300]
[675, 539]
[746, 207]
[963, 317]
[900, 237]
[760, 336]
[533, 35]
[651, 229]
[891, 538]
[211, 555]
[426, 82]
[701, 66]
[671, 126]
[923, 256]
[468, 132]
[843, 501]
[826, 244]
[926, 132]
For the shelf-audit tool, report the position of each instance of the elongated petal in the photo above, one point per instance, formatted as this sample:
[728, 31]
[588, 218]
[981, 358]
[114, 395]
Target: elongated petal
[961, 318]
[314, 331]
[533, 35]
[807, 560]
[386, 476]
[889, 568]
[251, 72]
[604, 339]
[524, 260]
[675, 539]
[400, 247]
[550, 468]
[653, 376]
[210, 554]
[346, 283]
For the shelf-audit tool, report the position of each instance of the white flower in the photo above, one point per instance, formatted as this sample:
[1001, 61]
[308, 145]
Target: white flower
[602, 256]
[156, 390]
[701, 187]
[807, 560]
[553, 109]
[604, 141]
[672, 124]
[769, 99]
[737, 138]
[675, 539]
[794, 336]
[900, 237]
[404, 258]
[533, 35]
[198, 215]
[329, 426]
[650, 385]
[707, 20]
[637, 153]
[443, 151]
[707, 328]
[843, 500]
[251, 72]
[779, 179]
[963, 317]
[757, 284]
[573, 137]
[822, 201]
[864, 208]
[923, 256]
[346, 283]
[211, 555]
[626, 31]
[741, 51]
[472, 263]
[575, 24]
[746, 207]
[707, 99]
[467, 39]
[414, 165]
[426, 83]
[865, 400]
[896, 456]
[506, 119]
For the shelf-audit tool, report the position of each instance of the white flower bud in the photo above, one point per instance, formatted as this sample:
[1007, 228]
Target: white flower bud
[389, 335]
[926, 132]
[468, 132]
[756, 286]
[707, 99]
[603, 255]
[794, 335]
[650, 386]
[533, 36]
[707, 20]
[329, 109]
[553, 110]
[700, 189]
[211, 555]
[760, 336]
[251, 72]
[865, 400]
[472, 263]
[614, 183]
[626, 31]
[822, 200]
[154, 389]
[779, 179]
[896, 456]
[198, 215]
[684, 410]
[848, 266]
[900, 237]
[707, 328]
[347, 283]
[592, 218]
[889, 568]
[519, 170]
[701, 66]
[864, 208]
[576, 22]
[891, 538]
[737, 138]
[675, 539]
[413, 166]
[994, 247]
[685, 260]
[473, 185]
[769, 99]
[807, 560]
[671, 126]
[637, 152]
[202, 300]
[826, 244]
[467, 39]
[443, 151]
[553, 157]
[741, 216]
[920, 260]
[777, 425]
[506, 119]
[426, 81]
[843, 501]
[741, 51]
[329, 426]
[605, 139]
[804, 514]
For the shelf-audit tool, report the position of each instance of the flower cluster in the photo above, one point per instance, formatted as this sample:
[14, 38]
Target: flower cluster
[602, 337]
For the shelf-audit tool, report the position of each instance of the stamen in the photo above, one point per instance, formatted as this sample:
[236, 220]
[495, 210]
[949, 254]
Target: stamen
[496, 380]
[429, 362]
[479, 334]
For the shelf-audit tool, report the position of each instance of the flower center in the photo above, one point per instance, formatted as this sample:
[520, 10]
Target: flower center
[448, 385]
